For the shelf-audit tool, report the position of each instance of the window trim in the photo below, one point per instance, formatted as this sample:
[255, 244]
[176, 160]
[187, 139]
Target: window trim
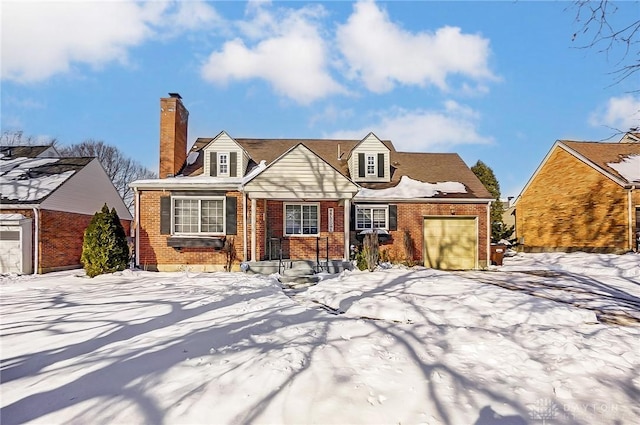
[227, 163]
[372, 207]
[199, 199]
[284, 220]
[374, 158]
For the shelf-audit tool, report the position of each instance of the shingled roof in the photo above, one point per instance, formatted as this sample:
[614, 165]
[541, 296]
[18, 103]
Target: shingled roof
[425, 167]
[602, 155]
[26, 178]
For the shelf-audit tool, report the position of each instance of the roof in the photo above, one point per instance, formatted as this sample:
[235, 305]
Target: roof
[608, 157]
[425, 167]
[26, 178]
[23, 151]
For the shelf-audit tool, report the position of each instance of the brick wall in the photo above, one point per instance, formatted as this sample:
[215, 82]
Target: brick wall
[301, 247]
[570, 206]
[154, 254]
[411, 218]
[60, 237]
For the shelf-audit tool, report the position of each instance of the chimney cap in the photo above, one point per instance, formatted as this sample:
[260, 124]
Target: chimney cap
[176, 95]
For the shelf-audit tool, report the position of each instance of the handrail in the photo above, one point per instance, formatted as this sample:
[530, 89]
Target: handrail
[280, 263]
[318, 266]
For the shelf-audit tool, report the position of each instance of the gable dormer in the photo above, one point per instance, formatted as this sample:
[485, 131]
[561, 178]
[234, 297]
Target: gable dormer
[369, 161]
[224, 157]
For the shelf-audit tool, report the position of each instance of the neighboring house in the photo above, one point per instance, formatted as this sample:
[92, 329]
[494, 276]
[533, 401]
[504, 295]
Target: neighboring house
[46, 203]
[584, 196]
[309, 198]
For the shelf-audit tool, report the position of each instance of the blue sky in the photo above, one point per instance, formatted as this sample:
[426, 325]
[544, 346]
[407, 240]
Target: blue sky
[496, 81]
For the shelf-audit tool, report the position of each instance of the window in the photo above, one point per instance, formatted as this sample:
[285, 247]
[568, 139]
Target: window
[223, 164]
[371, 164]
[301, 219]
[198, 216]
[373, 217]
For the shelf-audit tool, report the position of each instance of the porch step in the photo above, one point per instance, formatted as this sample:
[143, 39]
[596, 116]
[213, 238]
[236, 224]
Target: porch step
[298, 279]
[298, 267]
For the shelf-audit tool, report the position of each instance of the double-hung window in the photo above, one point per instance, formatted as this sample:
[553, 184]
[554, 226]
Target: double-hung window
[371, 164]
[223, 164]
[372, 217]
[301, 219]
[198, 216]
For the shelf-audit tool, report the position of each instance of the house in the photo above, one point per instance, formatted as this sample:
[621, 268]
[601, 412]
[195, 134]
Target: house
[47, 201]
[584, 196]
[303, 199]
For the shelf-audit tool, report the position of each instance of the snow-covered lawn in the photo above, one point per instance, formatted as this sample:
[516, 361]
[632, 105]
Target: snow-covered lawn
[560, 346]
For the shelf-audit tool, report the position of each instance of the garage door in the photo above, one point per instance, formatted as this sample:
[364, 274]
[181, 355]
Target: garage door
[10, 251]
[450, 243]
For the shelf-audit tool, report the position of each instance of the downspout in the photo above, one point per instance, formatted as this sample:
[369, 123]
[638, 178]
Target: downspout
[136, 235]
[347, 229]
[630, 232]
[489, 227]
[36, 239]
[244, 225]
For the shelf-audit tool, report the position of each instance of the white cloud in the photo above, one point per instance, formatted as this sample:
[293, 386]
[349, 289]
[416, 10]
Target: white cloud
[42, 39]
[424, 130]
[290, 54]
[383, 54]
[330, 114]
[621, 113]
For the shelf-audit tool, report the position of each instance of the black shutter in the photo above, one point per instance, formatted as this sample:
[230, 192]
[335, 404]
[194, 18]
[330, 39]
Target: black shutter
[361, 165]
[393, 217]
[213, 164]
[352, 218]
[233, 164]
[380, 165]
[165, 215]
[231, 219]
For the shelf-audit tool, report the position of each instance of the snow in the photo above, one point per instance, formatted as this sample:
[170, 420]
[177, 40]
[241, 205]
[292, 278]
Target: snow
[401, 345]
[409, 188]
[629, 168]
[16, 185]
[192, 157]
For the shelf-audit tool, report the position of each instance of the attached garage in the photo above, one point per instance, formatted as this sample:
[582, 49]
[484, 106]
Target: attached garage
[451, 243]
[15, 244]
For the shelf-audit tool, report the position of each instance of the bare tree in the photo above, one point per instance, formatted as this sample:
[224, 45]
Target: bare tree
[596, 24]
[18, 138]
[120, 169]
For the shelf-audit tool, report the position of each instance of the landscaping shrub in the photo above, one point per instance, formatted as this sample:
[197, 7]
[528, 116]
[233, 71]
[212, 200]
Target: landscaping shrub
[104, 248]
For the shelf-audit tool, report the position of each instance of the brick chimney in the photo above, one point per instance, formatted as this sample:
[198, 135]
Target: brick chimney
[174, 119]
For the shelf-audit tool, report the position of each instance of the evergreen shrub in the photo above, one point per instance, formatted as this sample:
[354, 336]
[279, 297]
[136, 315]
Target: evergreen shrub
[104, 248]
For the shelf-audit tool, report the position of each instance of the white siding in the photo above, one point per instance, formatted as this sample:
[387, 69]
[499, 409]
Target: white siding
[301, 174]
[224, 143]
[371, 145]
[86, 192]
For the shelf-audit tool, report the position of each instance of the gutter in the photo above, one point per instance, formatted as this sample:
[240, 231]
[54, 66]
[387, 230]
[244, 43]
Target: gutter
[358, 200]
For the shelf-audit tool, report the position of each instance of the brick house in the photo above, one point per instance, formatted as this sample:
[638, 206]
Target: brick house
[584, 196]
[47, 203]
[306, 199]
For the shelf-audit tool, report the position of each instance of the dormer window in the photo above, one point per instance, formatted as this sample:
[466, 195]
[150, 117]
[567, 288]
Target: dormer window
[223, 164]
[371, 165]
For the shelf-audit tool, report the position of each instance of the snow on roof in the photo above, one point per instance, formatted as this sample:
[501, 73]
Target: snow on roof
[11, 217]
[629, 168]
[19, 180]
[201, 180]
[409, 188]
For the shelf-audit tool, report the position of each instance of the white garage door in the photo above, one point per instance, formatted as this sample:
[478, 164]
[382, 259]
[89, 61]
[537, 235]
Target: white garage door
[450, 243]
[10, 251]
